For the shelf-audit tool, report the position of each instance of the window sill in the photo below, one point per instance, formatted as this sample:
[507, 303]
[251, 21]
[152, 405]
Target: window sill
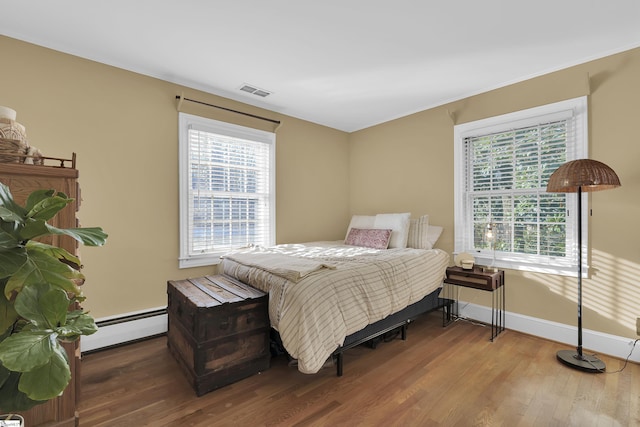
[199, 262]
[559, 270]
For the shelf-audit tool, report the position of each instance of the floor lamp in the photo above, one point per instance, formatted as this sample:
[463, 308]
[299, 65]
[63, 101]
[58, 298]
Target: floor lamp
[578, 176]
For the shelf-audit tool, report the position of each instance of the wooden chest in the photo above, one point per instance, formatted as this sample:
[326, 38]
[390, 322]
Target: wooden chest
[218, 330]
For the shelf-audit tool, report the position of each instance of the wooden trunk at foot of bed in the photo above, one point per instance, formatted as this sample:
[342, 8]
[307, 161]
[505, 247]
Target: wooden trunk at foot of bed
[218, 330]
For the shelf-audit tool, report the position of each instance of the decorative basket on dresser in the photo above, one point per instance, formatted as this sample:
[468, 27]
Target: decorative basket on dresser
[218, 330]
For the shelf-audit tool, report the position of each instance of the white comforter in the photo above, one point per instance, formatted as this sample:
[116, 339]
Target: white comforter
[332, 290]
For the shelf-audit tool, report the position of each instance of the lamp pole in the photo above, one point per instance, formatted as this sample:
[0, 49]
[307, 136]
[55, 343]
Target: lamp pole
[579, 348]
[577, 176]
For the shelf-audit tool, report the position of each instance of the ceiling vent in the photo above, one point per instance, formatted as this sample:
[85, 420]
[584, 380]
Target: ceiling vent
[254, 90]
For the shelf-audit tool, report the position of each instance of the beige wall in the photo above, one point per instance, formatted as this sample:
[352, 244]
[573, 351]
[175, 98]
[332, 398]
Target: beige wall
[124, 128]
[406, 165]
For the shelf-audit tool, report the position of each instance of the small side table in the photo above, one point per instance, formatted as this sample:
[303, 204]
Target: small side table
[486, 279]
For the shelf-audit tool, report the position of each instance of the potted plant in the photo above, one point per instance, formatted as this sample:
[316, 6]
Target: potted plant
[39, 296]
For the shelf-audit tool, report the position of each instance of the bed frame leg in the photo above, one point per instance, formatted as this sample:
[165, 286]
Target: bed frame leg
[339, 364]
[404, 331]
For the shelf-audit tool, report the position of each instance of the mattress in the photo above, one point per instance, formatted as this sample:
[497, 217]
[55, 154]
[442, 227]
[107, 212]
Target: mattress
[330, 290]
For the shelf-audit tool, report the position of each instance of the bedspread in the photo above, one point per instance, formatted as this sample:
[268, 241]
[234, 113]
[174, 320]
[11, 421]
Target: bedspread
[354, 287]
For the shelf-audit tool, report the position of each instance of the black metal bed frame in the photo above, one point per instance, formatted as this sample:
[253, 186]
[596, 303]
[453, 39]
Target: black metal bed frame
[396, 320]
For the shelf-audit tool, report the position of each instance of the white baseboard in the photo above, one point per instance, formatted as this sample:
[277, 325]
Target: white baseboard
[592, 341]
[139, 325]
[125, 328]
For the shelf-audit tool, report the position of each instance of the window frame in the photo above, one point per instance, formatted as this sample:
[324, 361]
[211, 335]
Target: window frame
[463, 233]
[187, 122]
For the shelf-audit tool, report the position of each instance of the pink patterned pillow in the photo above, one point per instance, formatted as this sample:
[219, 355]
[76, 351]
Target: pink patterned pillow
[376, 238]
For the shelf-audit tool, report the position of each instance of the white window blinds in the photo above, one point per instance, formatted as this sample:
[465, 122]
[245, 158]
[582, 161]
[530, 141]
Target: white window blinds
[506, 217]
[227, 189]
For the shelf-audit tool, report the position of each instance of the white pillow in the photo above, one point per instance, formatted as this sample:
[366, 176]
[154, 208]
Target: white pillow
[360, 221]
[418, 233]
[434, 234]
[399, 224]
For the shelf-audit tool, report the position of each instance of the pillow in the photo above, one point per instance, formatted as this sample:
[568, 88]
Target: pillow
[418, 233]
[369, 237]
[399, 224]
[360, 221]
[434, 234]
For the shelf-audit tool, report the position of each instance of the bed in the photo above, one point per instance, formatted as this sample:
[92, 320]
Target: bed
[325, 297]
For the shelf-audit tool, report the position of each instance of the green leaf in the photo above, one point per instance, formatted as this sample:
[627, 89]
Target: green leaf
[49, 380]
[27, 350]
[44, 305]
[7, 215]
[11, 398]
[34, 228]
[4, 375]
[89, 236]
[41, 267]
[11, 261]
[48, 207]
[8, 314]
[56, 252]
[7, 202]
[78, 323]
[36, 197]
[8, 240]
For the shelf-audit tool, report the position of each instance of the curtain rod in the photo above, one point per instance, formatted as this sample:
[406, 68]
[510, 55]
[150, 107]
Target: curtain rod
[229, 109]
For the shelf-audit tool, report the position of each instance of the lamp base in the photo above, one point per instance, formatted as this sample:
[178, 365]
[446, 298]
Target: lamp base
[584, 362]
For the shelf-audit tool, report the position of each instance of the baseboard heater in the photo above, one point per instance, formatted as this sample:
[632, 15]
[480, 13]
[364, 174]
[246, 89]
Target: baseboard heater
[131, 327]
[125, 329]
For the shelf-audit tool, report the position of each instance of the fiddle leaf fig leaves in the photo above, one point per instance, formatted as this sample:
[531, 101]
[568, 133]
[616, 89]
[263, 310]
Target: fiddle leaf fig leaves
[41, 360]
[8, 314]
[11, 261]
[55, 252]
[9, 215]
[39, 283]
[27, 350]
[33, 228]
[8, 204]
[88, 236]
[78, 323]
[41, 267]
[44, 204]
[46, 381]
[44, 305]
[11, 395]
[8, 240]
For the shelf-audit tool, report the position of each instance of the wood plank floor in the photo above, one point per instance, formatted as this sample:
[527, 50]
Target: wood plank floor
[451, 376]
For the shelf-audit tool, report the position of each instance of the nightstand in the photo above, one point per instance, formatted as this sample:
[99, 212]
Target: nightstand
[486, 279]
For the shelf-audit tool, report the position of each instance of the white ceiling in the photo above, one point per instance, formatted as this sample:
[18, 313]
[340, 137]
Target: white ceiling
[346, 64]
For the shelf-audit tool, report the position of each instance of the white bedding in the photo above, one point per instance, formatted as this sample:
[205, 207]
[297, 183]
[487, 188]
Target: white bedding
[336, 290]
[291, 268]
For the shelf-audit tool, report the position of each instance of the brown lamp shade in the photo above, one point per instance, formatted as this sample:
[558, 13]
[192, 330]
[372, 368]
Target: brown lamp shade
[587, 174]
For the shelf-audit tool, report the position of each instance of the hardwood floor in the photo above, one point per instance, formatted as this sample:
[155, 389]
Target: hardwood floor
[451, 376]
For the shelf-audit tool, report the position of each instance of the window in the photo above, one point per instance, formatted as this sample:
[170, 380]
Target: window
[503, 214]
[227, 189]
